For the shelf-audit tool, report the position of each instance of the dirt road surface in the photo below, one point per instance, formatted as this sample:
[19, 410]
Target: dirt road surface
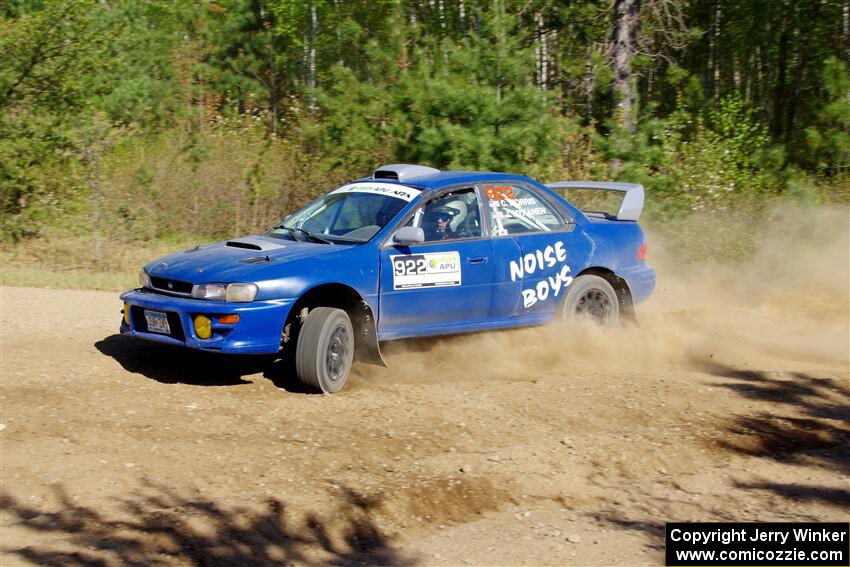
[546, 446]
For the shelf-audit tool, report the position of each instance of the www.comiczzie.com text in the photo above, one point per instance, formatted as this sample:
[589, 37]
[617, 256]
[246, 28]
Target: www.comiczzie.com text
[804, 544]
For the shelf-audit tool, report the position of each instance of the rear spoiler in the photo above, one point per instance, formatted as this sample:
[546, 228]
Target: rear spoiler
[630, 208]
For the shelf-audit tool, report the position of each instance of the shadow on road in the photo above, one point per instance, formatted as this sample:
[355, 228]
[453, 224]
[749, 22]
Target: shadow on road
[159, 526]
[802, 492]
[282, 374]
[175, 365]
[820, 438]
[806, 425]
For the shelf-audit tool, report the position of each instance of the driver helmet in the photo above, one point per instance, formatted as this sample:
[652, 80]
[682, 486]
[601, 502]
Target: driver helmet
[443, 213]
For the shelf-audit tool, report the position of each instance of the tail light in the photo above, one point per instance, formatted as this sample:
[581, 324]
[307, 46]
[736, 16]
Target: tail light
[641, 255]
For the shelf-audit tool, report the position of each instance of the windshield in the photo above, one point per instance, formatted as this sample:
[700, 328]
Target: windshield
[353, 213]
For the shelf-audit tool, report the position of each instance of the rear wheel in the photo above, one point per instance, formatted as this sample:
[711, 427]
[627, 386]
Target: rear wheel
[325, 349]
[592, 297]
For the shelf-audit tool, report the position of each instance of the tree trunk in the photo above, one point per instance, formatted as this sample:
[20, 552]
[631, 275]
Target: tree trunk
[712, 75]
[845, 27]
[590, 82]
[795, 95]
[779, 92]
[338, 21]
[311, 81]
[800, 62]
[441, 8]
[92, 157]
[538, 48]
[542, 51]
[96, 141]
[625, 26]
[718, 14]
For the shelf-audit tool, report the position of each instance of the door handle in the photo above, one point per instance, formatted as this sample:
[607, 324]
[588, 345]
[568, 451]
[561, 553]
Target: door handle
[477, 261]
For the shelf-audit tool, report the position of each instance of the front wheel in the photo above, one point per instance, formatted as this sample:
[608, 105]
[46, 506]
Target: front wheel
[592, 297]
[325, 349]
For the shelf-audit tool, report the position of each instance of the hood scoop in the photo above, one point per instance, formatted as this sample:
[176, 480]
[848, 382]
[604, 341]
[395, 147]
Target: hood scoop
[256, 243]
[248, 245]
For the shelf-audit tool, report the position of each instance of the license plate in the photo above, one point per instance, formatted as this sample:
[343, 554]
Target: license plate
[157, 322]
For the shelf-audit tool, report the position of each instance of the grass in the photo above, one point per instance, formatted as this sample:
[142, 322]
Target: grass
[66, 262]
[35, 276]
[59, 259]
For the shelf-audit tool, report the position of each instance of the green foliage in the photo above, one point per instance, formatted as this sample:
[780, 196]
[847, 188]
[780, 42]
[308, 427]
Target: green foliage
[691, 162]
[354, 131]
[47, 58]
[136, 84]
[63, 62]
[180, 117]
[828, 138]
[473, 104]
[245, 182]
[465, 104]
[736, 126]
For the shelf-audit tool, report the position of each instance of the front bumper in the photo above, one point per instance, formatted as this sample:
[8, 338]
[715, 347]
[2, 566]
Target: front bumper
[257, 332]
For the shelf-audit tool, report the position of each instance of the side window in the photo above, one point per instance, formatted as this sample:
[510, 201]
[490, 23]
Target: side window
[516, 210]
[450, 216]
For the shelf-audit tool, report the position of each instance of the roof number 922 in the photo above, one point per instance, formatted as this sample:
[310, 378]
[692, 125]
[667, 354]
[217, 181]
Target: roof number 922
[409, 266]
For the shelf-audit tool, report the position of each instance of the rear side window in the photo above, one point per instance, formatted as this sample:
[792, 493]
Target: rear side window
[515, 209]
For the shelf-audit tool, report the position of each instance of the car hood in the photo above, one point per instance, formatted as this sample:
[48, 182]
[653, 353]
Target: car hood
[238, 259]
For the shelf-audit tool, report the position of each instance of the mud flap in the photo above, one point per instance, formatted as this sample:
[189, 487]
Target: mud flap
[368, 349]
[627, 307]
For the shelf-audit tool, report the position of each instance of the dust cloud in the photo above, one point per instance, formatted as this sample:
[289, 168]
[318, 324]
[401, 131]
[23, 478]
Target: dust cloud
[781, 300]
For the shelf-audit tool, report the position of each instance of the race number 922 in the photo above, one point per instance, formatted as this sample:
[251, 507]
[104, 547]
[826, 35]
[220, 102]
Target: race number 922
[409, 265]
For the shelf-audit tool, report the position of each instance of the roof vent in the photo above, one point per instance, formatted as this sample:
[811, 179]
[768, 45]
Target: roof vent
[403, 171]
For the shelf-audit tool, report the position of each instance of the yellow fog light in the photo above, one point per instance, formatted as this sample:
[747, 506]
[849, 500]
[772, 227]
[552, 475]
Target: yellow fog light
[203, 326]
[126, 314]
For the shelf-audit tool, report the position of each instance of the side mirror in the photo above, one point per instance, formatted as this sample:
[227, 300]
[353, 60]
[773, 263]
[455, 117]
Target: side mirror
[408, 235]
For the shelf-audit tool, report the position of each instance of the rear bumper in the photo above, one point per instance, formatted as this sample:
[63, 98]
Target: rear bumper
[257, 332]
[641, 281]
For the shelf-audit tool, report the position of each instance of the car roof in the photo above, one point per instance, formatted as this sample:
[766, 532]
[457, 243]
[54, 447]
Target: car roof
[443, 178]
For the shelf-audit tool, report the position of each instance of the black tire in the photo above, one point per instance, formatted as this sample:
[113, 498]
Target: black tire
[593, 298]
[325, 349]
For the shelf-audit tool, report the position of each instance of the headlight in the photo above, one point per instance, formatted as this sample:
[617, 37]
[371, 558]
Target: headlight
[235, 292]
[211, 291]
[241, 292]
[144, 279]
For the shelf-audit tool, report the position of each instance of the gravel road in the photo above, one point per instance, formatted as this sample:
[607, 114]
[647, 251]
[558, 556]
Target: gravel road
[544, 446]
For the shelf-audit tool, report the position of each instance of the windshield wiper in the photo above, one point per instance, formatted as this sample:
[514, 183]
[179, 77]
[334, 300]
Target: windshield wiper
[307, 233]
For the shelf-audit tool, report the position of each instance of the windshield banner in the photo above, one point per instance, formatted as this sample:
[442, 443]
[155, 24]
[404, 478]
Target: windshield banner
[389, 189]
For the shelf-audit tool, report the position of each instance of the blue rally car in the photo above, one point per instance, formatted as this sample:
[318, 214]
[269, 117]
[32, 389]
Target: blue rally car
[409, 252]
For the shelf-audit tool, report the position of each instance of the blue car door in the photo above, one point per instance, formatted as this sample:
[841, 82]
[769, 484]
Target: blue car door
[443, 282]
[538, 251]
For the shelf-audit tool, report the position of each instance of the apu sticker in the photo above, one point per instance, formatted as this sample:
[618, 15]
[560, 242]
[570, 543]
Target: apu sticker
[426, 270]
